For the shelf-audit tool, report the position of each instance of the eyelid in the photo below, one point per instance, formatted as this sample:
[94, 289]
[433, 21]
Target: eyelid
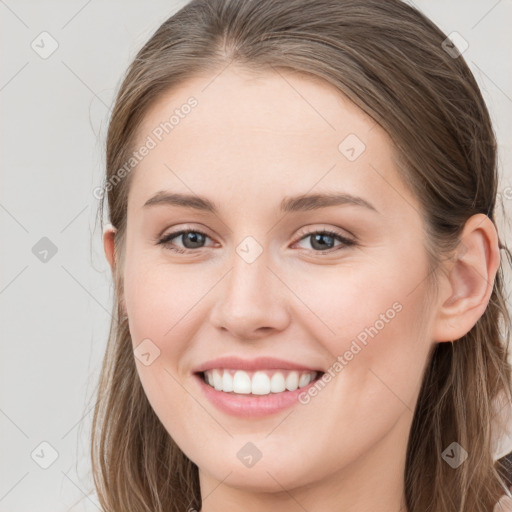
[327, 229]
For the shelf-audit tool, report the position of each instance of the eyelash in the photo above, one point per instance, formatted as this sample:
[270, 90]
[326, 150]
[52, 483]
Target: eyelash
[345, 241]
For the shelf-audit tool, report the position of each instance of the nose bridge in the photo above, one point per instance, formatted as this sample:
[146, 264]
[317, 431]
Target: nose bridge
[250, 298]
[249, 277]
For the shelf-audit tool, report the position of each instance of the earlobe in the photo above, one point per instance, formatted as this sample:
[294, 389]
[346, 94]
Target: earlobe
[470, 280]
[108, 244]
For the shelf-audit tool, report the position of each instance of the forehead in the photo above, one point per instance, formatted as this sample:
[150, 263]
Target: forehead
[279, 101]
[258, 133]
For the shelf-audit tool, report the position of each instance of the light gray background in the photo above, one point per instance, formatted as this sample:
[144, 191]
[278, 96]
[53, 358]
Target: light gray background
[55, 315]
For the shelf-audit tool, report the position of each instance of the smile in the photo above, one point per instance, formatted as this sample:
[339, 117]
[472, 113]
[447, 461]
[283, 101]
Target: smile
[256, 393]
[259, 382]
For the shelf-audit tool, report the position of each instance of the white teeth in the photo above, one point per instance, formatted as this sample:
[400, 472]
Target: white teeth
[262, 382]
[217, 380]
[292, 381]
[241, 382]
[277, 383]
[304, 380]
[227, 382]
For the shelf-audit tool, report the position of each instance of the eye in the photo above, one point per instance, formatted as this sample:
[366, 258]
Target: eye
[191, 238]
[322, 241]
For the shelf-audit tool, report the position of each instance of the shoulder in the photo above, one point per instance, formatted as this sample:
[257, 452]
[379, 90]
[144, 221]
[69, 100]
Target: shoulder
[504, 467]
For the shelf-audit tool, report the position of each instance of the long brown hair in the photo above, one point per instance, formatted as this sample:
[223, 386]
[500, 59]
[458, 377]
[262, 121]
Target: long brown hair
[390, 60]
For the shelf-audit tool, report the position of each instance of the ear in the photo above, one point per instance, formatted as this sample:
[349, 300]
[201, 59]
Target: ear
[108, 244]
[109, 234]
[467, 287]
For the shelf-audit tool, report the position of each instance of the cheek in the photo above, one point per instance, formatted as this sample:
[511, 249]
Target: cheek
[373, 321]
[346, 300]
[158, 304]
[158, 298]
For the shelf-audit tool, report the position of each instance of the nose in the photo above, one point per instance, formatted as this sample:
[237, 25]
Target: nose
[250, 301]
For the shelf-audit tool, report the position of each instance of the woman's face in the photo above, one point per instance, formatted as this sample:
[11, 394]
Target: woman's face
[268, 282]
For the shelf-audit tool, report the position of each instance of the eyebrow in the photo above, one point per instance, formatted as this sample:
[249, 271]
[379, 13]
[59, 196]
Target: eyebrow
[300, 203]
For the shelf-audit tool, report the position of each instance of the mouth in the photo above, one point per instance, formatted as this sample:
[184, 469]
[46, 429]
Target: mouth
[259, 382]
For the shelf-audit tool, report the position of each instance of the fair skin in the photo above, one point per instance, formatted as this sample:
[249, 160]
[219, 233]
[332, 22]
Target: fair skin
[252, 141]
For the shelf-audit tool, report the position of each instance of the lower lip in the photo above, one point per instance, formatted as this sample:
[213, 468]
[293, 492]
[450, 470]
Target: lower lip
[249, 405]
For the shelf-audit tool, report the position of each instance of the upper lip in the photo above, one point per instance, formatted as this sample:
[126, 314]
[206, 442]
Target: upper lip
[259, 363]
